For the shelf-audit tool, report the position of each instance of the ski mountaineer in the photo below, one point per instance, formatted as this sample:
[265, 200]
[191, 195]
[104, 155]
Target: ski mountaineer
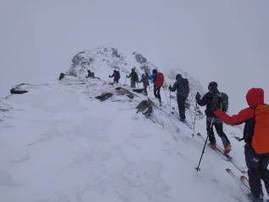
[90, 74]
[158, 80]
[212, 100]
[134, 77]
[256, 137]
[145, 81]
[115, 76]
[181, 85]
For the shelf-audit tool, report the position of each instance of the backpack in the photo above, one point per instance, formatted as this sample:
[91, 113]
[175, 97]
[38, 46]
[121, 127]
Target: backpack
[159, 79]
[185, 87]
[260, 139]
[220, 101]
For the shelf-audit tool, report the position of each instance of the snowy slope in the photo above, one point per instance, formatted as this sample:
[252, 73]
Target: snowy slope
[59, 144]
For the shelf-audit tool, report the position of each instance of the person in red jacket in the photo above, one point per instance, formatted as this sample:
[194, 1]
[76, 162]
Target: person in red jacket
[256, 136]
[158, 80]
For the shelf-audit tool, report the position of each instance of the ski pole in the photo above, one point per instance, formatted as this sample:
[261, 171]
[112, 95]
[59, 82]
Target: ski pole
[203, 151]
[194, 119]
[170, 103]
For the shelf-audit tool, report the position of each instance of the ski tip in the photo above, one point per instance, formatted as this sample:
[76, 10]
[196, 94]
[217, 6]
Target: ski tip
[243, 177]
[228, 170]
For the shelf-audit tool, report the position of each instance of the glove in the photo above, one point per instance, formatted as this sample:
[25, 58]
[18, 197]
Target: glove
[170, 88]
[198, 96]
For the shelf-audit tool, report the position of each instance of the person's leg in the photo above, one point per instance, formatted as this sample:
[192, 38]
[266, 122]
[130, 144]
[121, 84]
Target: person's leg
[225, 141]
[155, 90]
[219, 128]
[181, 107]
[264, 172]
[210, 132]
[253, 164]
[159, 95]
[145, 89]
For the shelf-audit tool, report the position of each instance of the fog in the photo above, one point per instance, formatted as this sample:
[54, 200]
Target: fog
[226, 41]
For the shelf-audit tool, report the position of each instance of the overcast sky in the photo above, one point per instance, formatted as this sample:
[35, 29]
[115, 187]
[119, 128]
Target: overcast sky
[222, 40]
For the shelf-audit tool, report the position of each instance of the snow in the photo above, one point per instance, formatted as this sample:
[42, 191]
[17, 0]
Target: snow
[59, 144]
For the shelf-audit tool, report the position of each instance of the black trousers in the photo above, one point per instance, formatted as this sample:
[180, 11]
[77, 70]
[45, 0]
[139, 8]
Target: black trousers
[133, 82]
[214, 122]
[116, 80]
[157, 94]
[257, 170]
[181, 101]
[145, 89]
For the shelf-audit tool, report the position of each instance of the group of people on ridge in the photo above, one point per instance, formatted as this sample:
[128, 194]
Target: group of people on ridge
[156, 77]
[255, 117]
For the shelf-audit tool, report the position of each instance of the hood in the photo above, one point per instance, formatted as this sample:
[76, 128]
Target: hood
[255, 96]
[178, 76]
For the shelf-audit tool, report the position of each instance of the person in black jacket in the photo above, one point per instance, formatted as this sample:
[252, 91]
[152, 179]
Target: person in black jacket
[90, 74]
[181, 85]
[134, 78]
[211, 100]
[145, 81]
[116, 76]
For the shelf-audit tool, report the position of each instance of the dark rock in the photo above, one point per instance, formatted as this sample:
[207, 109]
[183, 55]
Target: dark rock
[124, 91]
[139, 90]
[140, 58]
[61, 76]
[104, 96]
[145, 107]
[17, 91]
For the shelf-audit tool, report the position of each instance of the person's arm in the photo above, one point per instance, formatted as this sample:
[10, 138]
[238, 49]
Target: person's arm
[239, 118]
[204, 101]
[174, 87]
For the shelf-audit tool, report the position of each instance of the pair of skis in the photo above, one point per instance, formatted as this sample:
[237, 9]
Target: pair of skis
[242, 181]
[226, 156]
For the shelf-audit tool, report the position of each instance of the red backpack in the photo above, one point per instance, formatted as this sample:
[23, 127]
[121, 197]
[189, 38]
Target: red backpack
[159, 80]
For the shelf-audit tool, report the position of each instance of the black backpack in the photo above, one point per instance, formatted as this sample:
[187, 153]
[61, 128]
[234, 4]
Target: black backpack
[185, 87]
[220, 101]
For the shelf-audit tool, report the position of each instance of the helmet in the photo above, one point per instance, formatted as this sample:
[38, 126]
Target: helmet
[154, 71]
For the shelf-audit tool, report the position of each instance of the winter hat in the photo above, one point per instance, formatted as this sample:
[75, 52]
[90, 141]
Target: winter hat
[178, 76]
[212, 86]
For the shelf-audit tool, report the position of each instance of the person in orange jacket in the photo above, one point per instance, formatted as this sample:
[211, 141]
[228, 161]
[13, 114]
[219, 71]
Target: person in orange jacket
[256, 136]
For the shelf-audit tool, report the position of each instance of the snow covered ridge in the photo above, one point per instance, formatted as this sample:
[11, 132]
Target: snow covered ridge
[58, 143]
[102, 61]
